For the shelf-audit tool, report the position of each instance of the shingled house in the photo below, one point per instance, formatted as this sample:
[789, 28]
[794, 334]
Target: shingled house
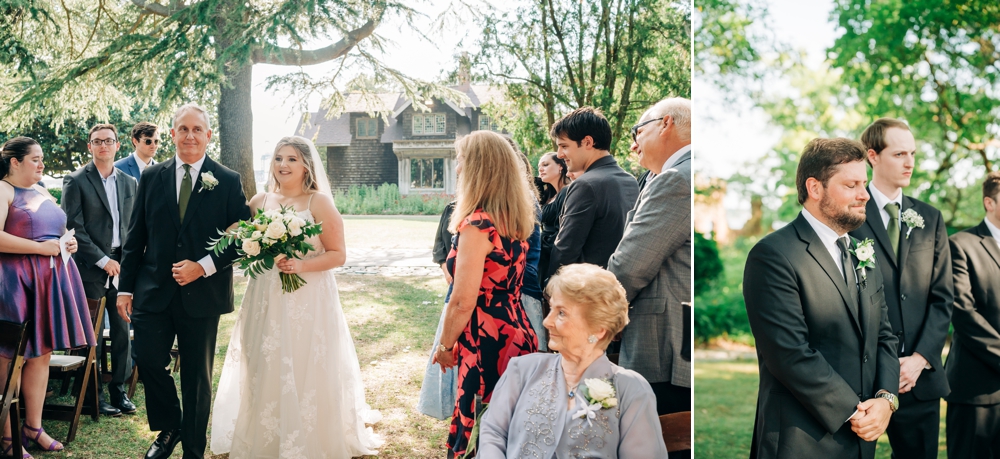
[414, 149]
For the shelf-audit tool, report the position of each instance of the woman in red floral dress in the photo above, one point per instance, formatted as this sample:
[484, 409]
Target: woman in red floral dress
[486, 325]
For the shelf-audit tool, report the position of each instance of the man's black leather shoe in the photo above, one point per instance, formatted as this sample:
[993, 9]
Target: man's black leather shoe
[123, 403]
[164, 444]
[106, 409]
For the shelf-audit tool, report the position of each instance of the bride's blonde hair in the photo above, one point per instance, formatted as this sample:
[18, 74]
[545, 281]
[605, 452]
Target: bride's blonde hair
[315, 178]
[493, 179]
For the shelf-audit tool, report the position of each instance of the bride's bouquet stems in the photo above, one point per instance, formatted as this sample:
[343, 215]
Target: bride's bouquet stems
[291, 282]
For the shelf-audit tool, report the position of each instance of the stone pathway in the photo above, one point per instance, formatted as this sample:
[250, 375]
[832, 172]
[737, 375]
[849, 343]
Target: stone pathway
[389, 262]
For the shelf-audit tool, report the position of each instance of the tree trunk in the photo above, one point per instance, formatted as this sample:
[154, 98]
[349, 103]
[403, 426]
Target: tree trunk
[236, 124]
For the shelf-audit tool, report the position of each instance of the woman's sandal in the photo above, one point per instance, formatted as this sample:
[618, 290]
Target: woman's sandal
[54, 446]
[10, 448]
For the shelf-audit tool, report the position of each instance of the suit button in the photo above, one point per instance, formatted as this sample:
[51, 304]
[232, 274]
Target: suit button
[866, 358]
[902, 297]
[179, 244]
[860, 397]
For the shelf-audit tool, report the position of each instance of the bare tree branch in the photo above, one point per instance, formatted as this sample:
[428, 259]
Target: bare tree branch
[158, 9]
[290, 56]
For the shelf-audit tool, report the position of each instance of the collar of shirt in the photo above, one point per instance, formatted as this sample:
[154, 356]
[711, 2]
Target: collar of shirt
[827, 236]
[675, 157]
[195, 170]
[994, 231]
[141, 165]
[110, 178]
[881, 200]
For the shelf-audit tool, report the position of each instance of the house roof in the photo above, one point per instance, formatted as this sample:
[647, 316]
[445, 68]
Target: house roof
[323, 132]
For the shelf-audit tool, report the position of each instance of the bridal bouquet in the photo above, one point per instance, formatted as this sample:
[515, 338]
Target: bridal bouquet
[266, 237]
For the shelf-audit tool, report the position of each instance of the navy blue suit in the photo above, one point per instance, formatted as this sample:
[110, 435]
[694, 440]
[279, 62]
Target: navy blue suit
[130, 167]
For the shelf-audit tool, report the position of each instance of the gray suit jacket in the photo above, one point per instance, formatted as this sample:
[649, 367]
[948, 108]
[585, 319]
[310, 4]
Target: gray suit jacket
[653, 263]
[88, 212]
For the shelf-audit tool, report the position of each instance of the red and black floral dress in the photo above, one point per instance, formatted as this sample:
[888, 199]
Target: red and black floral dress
[498, 330]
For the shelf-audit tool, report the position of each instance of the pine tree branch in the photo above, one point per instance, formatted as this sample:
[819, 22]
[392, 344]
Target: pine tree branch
[155, 8]
[277, 55]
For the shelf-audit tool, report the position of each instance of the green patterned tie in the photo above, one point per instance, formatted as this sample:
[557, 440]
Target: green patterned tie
[182, 201]
[893, 229]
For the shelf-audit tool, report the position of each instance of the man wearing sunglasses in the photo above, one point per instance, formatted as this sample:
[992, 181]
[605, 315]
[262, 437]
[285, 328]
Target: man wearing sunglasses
[145, 139]
[653, 260]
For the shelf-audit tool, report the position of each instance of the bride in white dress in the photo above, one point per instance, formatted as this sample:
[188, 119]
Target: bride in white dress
[291, 385]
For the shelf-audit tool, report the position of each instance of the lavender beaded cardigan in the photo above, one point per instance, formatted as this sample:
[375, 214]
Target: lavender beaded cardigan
[528, 415]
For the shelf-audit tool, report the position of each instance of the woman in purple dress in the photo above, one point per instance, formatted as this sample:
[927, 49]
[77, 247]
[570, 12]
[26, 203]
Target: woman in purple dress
[35, 284]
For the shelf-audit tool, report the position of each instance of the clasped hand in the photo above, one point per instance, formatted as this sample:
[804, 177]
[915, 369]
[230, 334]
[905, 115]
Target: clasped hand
[871, 419]
[187, 271]
[446, 359]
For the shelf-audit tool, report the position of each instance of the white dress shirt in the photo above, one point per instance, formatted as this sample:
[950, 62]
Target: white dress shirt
[141, 165]
[828, 237]
[881, 200]
[994, 231]
[111, 189]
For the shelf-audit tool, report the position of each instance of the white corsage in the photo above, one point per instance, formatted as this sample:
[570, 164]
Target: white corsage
[865, 253]
[912, 220]
[208, 181]
[598, 394]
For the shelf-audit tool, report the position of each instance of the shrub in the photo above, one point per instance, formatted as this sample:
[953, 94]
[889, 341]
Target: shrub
[386, 200]
[57, 193]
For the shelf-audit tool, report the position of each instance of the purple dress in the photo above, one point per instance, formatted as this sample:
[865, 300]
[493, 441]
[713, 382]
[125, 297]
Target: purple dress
[39, 288]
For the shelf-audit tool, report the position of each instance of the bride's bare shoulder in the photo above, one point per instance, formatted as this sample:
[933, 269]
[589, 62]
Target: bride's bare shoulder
[257, 201]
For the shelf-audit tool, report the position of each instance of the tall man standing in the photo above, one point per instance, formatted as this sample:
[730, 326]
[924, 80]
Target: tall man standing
[184, 201]
[653, 260]
[145, 140]
[815, 301]
[597, 203]
[973, 367]
[911, 244]
[98, 199]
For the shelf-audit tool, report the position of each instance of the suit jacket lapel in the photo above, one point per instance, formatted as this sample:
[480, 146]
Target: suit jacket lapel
[988, 242]
[875, 223]
[819, 253]
[196, 195]
[904, 242]
[94, 176]
[168, 180]
[120, 177]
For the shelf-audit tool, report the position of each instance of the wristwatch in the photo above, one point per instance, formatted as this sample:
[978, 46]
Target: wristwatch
[893, 400]
[441, 348]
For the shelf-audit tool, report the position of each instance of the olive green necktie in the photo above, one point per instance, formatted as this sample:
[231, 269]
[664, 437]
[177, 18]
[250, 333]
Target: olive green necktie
[893, 229]
[182, 201]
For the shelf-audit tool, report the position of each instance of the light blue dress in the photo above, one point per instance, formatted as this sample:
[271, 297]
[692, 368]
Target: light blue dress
[528, 416]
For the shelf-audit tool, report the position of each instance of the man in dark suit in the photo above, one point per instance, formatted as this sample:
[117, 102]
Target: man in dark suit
[145, 140]
[184, 202]
[597, 203]
[911, 244]
[98, 200]
[816, 304]
[653, 260]
[973, 367]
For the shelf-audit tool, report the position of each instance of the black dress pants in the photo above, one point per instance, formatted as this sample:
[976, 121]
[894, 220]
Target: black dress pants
[154, 337]
[913, 428]
[121, 345]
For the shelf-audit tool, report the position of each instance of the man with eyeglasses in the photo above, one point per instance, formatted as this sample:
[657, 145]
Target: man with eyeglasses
[145, 139]
[98, 201]
[653, 260]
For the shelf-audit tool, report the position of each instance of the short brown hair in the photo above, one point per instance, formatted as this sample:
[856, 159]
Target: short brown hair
[873, 138]
[820, 159]
[598, 291]
[99, 127]
[144, 128]
[991, 185]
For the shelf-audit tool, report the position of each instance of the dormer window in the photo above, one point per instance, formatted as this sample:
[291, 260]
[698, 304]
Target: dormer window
[488, 124]
[429, 124]
[367, 128]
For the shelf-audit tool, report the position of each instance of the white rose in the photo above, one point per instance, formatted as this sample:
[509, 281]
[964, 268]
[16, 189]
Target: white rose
[295, 226]
[251, 247]
[598, 389]
[864, 252]
[275, 230]
[257, 235]
[272, 214]
[610, 403]
[266, 242]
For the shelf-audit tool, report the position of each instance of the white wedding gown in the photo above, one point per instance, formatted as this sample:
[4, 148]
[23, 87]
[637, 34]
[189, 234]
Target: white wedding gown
[291, 385]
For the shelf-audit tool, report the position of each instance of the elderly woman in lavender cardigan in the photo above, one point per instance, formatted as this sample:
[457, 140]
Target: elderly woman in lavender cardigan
[575, 403]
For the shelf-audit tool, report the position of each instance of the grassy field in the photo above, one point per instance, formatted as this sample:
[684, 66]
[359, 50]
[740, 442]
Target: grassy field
[415, 232]
[725, 401]
[392, 321]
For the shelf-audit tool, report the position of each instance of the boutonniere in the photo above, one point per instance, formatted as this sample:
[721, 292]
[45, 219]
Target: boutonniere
[208, 181]
[912, 220]
[598, 394]
[865, 253]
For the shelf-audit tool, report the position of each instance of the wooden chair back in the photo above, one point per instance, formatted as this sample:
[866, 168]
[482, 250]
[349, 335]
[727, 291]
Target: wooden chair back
[676, 428]
[13, 336]
[82, 365]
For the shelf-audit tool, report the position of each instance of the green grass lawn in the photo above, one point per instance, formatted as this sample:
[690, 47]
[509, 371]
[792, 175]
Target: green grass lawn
[392, 321]
[725, 402]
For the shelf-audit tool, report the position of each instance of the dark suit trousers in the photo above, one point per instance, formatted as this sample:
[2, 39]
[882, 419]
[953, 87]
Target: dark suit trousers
[973, 431]
[121, 346]
[913, 428]
[154, 336]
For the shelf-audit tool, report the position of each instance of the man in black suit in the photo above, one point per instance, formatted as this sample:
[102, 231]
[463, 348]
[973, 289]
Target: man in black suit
[815, 301]
[973, 367]
[597, 203]
[98, 199]
[911, 244]
[184, 202]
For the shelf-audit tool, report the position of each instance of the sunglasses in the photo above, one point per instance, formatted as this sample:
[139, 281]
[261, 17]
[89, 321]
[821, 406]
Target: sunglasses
[149, 141]
[635, 129]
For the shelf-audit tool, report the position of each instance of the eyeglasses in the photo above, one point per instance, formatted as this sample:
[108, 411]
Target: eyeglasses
[149, 141]
[635, 129]
[99, 142]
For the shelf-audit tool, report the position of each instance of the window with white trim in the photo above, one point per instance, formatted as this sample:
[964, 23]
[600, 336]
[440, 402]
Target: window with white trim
[488, 124]
[426, 173]
[429, 124]
[367, 128]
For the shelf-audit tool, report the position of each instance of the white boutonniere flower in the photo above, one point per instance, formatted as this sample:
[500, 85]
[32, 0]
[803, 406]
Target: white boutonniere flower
[208, 181]
[598, 394]
[912, 220]
[865, 253]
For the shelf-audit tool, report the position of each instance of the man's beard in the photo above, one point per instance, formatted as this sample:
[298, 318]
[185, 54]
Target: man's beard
[843, 220]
